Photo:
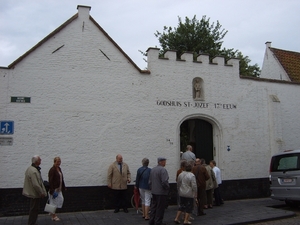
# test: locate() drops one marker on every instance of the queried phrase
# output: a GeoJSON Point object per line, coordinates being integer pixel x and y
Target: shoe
{"type": "Point", "coordinates": [116, 210]}
{"type": "Point", "coordinates": [187, 223]}
{"type": "Point", "coordinates": [192, 218]}
{"type": "Point", "coordinates": [201, 214]}
{"type": "Point", "coordinates": [147, 218]}
{"type": "Point", "coordinates": [125, 210]}
{"type": "Point", "coordinates": [55, 219]}
{"type": "Point", "coordinates": [177, 221]}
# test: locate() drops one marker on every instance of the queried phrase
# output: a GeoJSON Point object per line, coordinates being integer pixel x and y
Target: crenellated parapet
{"type": "Point", "coordinates": [153, 55]}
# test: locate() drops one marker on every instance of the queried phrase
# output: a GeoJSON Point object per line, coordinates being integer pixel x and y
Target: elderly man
{"type": "Point", "coordinates": [159, 186]}
{"type": "Point", "coordinates": [188, 155]}
{"type": "Point", "coordinates": [202, 176]}
{"type": "Point", "coordinates": [217, 194]}
{"type": "Point", "coordinates": [118, 176]}
{"type": "Point", "coordinates": [34, 188]}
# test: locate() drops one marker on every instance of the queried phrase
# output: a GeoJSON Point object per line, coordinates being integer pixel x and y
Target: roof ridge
{"type": "Point", "coordinates": [284, 50]}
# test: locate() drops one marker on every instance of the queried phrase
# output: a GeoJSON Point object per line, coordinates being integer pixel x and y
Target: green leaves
{"type": "Point", "coordinates": [201, 36]}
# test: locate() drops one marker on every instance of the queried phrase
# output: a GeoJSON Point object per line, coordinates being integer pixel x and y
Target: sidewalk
{"type": "Point", "coordinates": [232, 212]}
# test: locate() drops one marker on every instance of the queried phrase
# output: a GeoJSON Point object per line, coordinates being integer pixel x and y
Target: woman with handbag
{"type": "Point", "coordinates": [142, 179]}
{"type": "Point", "coordinates": [56, 186]}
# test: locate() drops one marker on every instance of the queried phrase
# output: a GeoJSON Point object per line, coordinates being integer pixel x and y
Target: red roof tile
{"type": "Point", "coordinates": [290, 62]}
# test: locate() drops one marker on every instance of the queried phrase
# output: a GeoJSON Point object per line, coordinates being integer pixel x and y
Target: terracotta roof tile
{"type": "Point", "coordinates": [290, 62]}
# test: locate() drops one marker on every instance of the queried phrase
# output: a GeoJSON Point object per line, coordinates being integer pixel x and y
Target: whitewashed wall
{"type": "Point", "coordinates": [87, 109]}
{"type": "Point", "coordinates": [256, 129]}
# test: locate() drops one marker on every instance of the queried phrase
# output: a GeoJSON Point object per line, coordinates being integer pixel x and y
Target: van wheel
{"type": "Point", "coordinates": [293, 204]}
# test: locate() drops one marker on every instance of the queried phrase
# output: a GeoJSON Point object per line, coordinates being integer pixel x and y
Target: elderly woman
{"type": "Point", "coordinates": [142, 182]}
{"type": "Point", "coordinates": [56, 186]}
{"type": "Point", "coordinates": [187, 189]}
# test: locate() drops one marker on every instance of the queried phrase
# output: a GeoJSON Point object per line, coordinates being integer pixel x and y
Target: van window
{"type": "Point", "coordinates": [285, 162]}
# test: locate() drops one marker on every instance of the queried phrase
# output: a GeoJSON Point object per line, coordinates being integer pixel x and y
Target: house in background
{"type": "Point", "coordinates": [281, 64]}
{"type": "Point", "coordinates": [77, 95]}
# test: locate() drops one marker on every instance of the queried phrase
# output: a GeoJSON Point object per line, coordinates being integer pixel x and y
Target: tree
{"type": "Point", "coordinates": [199, 36]}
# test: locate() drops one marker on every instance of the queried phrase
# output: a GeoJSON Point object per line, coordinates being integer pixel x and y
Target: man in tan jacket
{"type": "Point", "coordinates": [118, 176]}
{"type": "Point", "coordinates": [34, 188]}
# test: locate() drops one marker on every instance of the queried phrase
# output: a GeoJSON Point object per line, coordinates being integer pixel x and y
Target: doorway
{"type": "Point", "coordinates": [199, 134]}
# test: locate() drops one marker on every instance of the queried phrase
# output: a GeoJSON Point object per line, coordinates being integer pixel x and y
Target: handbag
{"type": "Point", "coordinates": [50, 208]}
{"type": "Point", "coordinates": [46, 185]}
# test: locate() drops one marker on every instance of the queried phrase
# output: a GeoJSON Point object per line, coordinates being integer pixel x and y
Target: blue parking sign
{"type": "Point", "coordinates": [6, 127]}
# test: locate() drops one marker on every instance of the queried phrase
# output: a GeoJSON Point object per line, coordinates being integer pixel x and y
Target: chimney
{"type": "Point", "coordinates": [268, 44]}
{"type": "Point", "coordinates": [84, 11]}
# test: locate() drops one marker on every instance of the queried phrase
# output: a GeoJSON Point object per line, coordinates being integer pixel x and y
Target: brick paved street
{"type": "Point", "coordinates": [232, 212]}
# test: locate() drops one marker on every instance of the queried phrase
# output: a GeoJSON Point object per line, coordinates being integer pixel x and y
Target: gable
{"type": "Point", "coordinates": [83, 12]}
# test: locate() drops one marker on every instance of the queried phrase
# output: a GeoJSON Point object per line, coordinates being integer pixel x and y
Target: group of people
{"type": "Point", "coordinates": [196, 183]}
{"type": "Point", "coordinates": [34, 187]}
{"type": "Point", "coordinates": [153, 186]}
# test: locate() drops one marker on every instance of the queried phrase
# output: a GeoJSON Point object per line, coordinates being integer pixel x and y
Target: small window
{"type": "Point", "coordinates": [285, 162]}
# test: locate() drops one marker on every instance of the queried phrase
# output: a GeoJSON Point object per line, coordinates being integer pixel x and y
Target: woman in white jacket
{"type": "Point", "coordinates": [187, 190]}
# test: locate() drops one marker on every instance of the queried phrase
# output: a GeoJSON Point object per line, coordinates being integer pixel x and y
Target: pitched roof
{"type": "Point", "coordinates": [118, 47]}
{"type": "Point", "coordinates": [290, 62]}
{"type": "Point", "coordinates": [13, 64]}
{"type": "Point", "coordinates": [57, 30]}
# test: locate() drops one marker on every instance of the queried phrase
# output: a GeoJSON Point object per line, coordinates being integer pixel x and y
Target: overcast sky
{"type": "Point", "coordinates": [132, 23]}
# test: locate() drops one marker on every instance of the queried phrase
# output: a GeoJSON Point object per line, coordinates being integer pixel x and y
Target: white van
{"type": "Point", "coordinates": [285, 177]}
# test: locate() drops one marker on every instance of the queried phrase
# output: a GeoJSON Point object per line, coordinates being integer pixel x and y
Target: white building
{"type": "Point", "coordinates": [77, 95]}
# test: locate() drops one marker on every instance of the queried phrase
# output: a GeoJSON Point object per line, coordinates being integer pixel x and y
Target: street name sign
{"type": "Point", "coordinates": [6, 141]}
{"type": "Point", "coordinates": [20, 99]}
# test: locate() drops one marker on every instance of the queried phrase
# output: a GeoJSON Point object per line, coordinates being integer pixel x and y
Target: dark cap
{"type": "Point", "coordinates": [159, 159]}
